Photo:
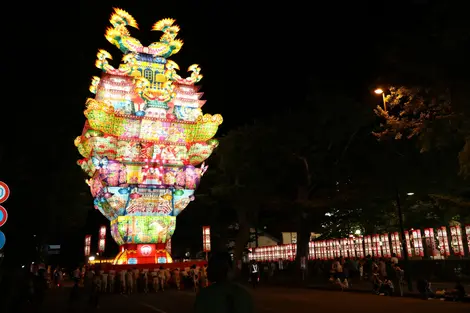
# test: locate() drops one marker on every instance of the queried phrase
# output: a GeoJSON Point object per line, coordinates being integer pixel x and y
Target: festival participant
{"type": "Point", "coordinates": [155, 280]}
{"type": "Point", "coordinates": [161, 278]}
{"type": "Point", "coordinates": [177, 277]}
{"type": "Point", "coordinates": [203, 274]}
{"type": "Point", "coordinates": [130, 281]}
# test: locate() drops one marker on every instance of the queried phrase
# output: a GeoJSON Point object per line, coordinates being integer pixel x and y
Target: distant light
{"type": "Point", "coordinates": [22, 266]}
{"type": "Point", "coordinates": [358, 232]}
{"type": "Point", "coordinates": [378, 91]}
{"type": "Point", "coordinates": [410, 193]}
{"type": "Point", "coordinates": [328, 214]}
{"type": "Point", "coordinates": [32, 263]}
{"type": "Point", "coordinates": [34, 235]}
{"type": "Point", "coordinates": [92, 258]}
{"type": "Point", "coordinates": [97, 253]}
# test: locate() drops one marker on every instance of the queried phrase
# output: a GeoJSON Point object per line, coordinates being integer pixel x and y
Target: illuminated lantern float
{"type": "Point", "coordinates": [145, 140]}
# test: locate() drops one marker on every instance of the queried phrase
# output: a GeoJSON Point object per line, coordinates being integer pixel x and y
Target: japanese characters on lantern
{"type": "Point", "coordinates": [311, 250]}
{"type": "Point", "coordinates": [206, 238]}
{"type": "Point", "coordinates": [385, 245]}
{"type": "Point", "coordinates": [429, 242]}
{"type": "Point", "coordinates": [352, 247]}
{"type": "Point", "coordinates": [456, 240]}
{"type": "Point", "coordinates": [467, 232]}
{"type": "Point", "coordinates": [376, 250]}
{"type": "Point", "coordinates": [87, 245]}
{"type": "Point", "coordinates": [102, 239]}
{"type": "Point", "coordinates": [359, 246]}
{"type": "Point", "coordinates": [368, 245]}
{"type": "Point", "coordinates": [145, 138]}
{"type": "Point", "coordinates": [417, 243]}
{"type": "Point", "coordinates": [443, 241]}
{"type": "Point", "coordinates": [408, 251]}
{"type": "Point", "coordinates": [396, 244]}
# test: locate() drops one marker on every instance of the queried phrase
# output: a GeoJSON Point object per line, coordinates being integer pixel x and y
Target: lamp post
{"type": "Point", "coordinates": [403, 241]}
{"type": "Point", "coordinates": [379, 91]}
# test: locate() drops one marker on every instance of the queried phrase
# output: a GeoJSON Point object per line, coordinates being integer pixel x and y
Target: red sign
{"type": "Point", "coordinates": [206, 238]}
{"type": "Point", "coordinates": [145, 250]}
{"type": "Point", "coordinates": [3, 216]}
{"type": "Point", "coordinates": [4, 192]}
{"type": "Point", "coordinates": [102, 239]}
{"type": "Point", "coordinates": [87, 245]}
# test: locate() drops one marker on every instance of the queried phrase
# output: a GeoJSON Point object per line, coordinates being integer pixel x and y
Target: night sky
{"type": "Point", "coordinates": [256, 60]}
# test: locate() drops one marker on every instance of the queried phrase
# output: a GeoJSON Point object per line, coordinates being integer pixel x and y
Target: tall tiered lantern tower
{"type": "Point", "coordinates": [145, 140]}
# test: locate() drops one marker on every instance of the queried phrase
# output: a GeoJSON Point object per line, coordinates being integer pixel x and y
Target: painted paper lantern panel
{"type": "Point", "coordinates": [191, 177]}
{"type": "Point", "coordinates": [96, 185]}
{"type": "Point", "coordinates": [206, 127]}
{"type": "Point", "coordinates": [181, 200]}
{"type": "Point", "coordinates": [352, 247]}
{"type": "Point", "coordinates": [396, 244]}
{"type": "Point", "coordinates": [128, 151]}
{"type": "Point", "coordinates": [126, 128]}
{"type": "Point", "coordinates": [100, 120]}
{"type": "Point", "coordinates": [429, 243]}
{"type": "Point", "coordinates": [385, 245]}
{"type": "Point", "coordinates": [146, 229]}
{"type": "Point", "coordinates": [456, 240]}
{"type": "Point", "coordinates": [359, 247]}
{"type": "Point", "coordinates": [409, 250]}
{"type": "Point", "coordinates": [417, 242]}
{"type": "Point", "coordinates": [443, 241]}
{"type": "Point", "coordinates": [376, 251]}
{"type": "Point", "coordinates": [368, 245]}
{"type": "Point", "coordinates": [200, 151]}
{"type": "Point", "coordinates": [101, 204]}
{"type": "Point", "coordinates": [311, 250]}
{"type": "Point", "coordinates": [113, 174]}
{"type": "Point", "coordinates": [144, 202]}
{"type": "Point", "coordinates": [467, 232]}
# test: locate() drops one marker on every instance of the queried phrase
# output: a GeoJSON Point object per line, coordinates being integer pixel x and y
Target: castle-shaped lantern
{"type": "Point", "coordinates": [144, 140]}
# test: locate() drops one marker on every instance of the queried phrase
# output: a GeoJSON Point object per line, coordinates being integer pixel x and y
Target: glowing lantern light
{"type": "Point", "coordinates": [144, 138]}
{"type": "Point", "coordinates": [456, 240]}
{"type": "Point", "coordinates": [87, 245]}
{"type": "Point", "coordinates": [102, 239]}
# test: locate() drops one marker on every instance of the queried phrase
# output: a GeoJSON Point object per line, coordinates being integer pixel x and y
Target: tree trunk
{"type": "Point", "coordinates": [242, 237]}
{"type": "Point", "coordinates": [303, 238]}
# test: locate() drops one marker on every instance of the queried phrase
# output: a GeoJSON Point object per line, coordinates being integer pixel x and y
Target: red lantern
{"type": "Point", "coordinates": [456, 240]}
{"type": "Point", "coordinates": [443, 241]}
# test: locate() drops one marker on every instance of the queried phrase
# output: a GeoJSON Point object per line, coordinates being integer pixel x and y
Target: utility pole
{"type": "Point", "coordinates": [404, 244]}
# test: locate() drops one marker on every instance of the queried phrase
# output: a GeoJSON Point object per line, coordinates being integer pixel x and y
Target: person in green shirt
{"type": "Point", "coordinates": [222, 296]}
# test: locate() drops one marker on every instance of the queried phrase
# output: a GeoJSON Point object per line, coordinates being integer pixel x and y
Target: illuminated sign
{"type": "Point", "coordinates": [4, 192]}
{"type": "Point", "coordinates": [206, 238]}
{"type": "Point", "coordinates": [102, 239]}
{"type": "Point", "coordinates": [132, 261]}
{"type": "Point", "coordinates": [87, 245]}
{"type": "Point", "coordinates": [146, 250]}
{"type": "Point", "coordinates": [3, 216]}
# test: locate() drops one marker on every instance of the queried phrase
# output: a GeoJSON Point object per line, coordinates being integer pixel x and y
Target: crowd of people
{"type": "Point", "coordinates": [130, 281]}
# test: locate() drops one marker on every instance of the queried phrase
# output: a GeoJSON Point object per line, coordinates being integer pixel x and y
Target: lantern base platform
{"type": "Point", "coordinates": [134, 254]}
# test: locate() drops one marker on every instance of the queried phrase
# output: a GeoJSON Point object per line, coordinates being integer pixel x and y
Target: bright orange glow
{"type": "Point", "coordinates": [378, 91]}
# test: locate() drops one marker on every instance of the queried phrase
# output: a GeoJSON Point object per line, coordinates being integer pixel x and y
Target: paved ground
{"type": "Point", "coordinates": [267, 299]}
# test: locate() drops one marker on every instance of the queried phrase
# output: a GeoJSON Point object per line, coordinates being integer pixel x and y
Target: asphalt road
{"type": "Point", "coordinates": [267, 299]}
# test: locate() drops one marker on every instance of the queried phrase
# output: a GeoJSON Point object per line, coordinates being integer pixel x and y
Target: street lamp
{"type": "Point", "coordinates": [403, 240]}
{"type": "Point", "coordinates": [379, 91]}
